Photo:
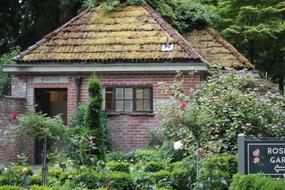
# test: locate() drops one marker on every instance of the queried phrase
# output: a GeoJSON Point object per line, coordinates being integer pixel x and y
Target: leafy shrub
{"type": "Point", "coordinates": [102, 188]}
{"type": "Point", "coordinates": [4, 180]}
{"type": "Point", "coordinates": [79, 116]}
{"type": "Point", "coordinates": [42, 188]}
{"type": "Point", "coordinates": [89, 179]}
{"type": "Point", "coordinates": [144, 180]}
{"type": "Point", "coordinates": [14, 175]}
{"type": "Point", "coordinates": [217, 172]}
{"type": "Point", "coordinates": [119, 181]}
{"type": "Point", "coordinates": [182, 178]}
{"type": "Point", "coordinates": [150, 166]}
{"type": "Point", "coordinates": [36, 180]}
{"type": "Point", "coordinates": [148, 155]}
{"type": "Point", "coordinates": [118, 166]}
{"type": "Point", "coordinates": [54, 172]}
{"type": "Point", "coordinates": [68, 175]}
{"type": "Point", "coordinates": [8, 187]}
{"type": "Point", "coordinates": [232, 102]}
{"type": "Point", "coordinates": [163, 178]}
{"type": "Point", "coordinates": [116, 156]}
{"type": "Point", "coordinates": [256, 182]}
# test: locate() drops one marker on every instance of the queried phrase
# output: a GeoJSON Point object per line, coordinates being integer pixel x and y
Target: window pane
{"type": "Point", "coordinates": [109, 99]}
{"type": "Point", "coordinates": [128, 93]}
{"type": "Point", "coordinates": [139, 94]}
{"type": "Point", "coordinates": [147, 105]}
{"type": "Point", "coordinates": [119, 105]}
{"type": "Point", "coordinates": [146, 93]}
{"type": "Point", "coordinates": [119, 93]}
{"type": "Point", "coordinates": [139, 105]}
{"type": "Point", "coordinates": [128, 105]}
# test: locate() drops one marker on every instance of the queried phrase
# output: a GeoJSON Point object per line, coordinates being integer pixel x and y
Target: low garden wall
{"type": "Point", "coordinates": [11, 143]}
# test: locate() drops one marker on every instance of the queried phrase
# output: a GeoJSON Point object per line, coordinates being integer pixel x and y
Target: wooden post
{"type": "Point", "coordinates": [44, 164]}
{"type": "Point", "coordinates": [241, 164]}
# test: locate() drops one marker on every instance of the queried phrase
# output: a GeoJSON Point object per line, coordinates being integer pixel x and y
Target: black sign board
{"type": "Point", "coordinates": [265, 156]}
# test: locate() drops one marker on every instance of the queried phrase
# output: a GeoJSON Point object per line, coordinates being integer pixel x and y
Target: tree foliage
{"type": "Point", "coordinates": [5, 79]}
{"type": "Point", "coordinates": [257, 28]}
{"type": "Point", "coordinates": [39, 126]}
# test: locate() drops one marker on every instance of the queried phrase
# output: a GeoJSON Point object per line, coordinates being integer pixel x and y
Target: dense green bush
{"type": "Point", "coordinates": [89, 179]}
{"type": "Point", "coordinates": [116, 156]}
{"type": "Point", "coordinates": [150, 166]}
{"type": "Point", "coordinates": [182, 178]}
{"type": "Point", "coordinates": [36, 180]}
{"type": "Point", "coordinates": [217, 172]}
{"type": "Point", "coordinates": [96, 140]}
{"type": "Point", "coordinates": [14, 175]}
{"type": "Point", "coordinates": [232, 102]}
{"type": "Point", "coordinates": [8, 187]}
{"type": "Point", "coordinates": [144, 180]}
{"type": "Point", "coordinates": [149, 155]}
{"type": "Point", "coordinates": [118, 166]}
{"type": "Point", "coordinates": [119, 181]}
{"type": "Point", "coordinates": [163, 178]}
{"type": "Point", "coordinates": [76, 137]}
{"type": "Point", "coordinates": [256, 182]}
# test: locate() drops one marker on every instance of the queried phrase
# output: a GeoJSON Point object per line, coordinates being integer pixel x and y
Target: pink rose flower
{"type": "Point", "coordinates": [256, 152]}
{"type": "Point", "coordinates": [256, 160]}
{"type": "Point", "coordinates": [183, 105]}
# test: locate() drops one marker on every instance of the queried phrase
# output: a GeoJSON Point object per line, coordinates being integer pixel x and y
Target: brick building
{"type": "Point", "coordinates": [131, 50]}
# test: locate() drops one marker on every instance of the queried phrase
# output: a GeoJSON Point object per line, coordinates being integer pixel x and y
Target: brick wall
{"type": "Point", "coordinates": [11, 143]}
{"type": "Point", "coordinates": [127, 132]}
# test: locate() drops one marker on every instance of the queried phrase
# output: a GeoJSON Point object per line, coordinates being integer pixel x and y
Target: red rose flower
{"type": "Point", "coordinates": [183, 105]}
{"type": "Point", "coordinates": [14, 115]}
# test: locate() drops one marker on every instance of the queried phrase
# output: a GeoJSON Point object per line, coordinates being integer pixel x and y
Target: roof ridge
{"type": "Point", "coordinates": [172, 32]}
{"type": "Point", "coordinates": [229, 47]}
{"type": "Point", "coordinates": [50, 35]}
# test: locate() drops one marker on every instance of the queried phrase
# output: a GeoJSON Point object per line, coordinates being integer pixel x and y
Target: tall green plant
{"type": "Point", "coordinates": [94, 121]}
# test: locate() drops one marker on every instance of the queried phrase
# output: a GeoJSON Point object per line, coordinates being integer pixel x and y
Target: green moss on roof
{"type": "Point", "coordinates": [132, 33]}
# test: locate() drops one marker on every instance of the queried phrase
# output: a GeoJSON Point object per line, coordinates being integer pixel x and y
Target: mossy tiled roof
{"type": "Point", "coordinates": [216, 50]}
{"type": "Point", "coordinates": [129, 33]}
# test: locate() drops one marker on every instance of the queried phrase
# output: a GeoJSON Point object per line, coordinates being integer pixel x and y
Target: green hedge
{"type": "Point", "coordinates": [119, 181]}
{"type": "Point", "coordinates": [217, 172]}
{"type": "Point", "coordinates": [256, 182]}
{"type": "Point", "coordinates": [118, 166]}
{"type": "Point", "coordinates": [14, 175]}
{"type": "Point", "coordinates": [8, 187]}
{"type": "Point", "coordinates": [89, 179]}
{"type": "Point", "coordinates": [150, 166]}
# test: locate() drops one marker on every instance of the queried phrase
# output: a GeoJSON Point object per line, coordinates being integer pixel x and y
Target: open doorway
{"type": "Point", "coordinates": [51, 102]}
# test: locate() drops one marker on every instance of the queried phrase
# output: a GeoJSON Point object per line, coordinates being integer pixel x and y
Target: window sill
{"type": "Point", "coordinates": [130, 113]}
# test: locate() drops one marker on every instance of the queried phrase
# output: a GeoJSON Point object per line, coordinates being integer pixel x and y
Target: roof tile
{"type": "Point", "coordinates": [129, 33]}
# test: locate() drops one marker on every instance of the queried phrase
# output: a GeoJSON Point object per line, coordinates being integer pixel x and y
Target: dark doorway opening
{"type": "Point", "coordinates": [51, 102]}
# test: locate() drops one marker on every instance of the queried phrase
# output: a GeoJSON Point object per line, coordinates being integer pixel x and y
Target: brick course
{"type": "Point", "coordinates": [127, 132]}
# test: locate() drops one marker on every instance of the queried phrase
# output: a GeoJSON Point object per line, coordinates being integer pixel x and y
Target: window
{"type": "Point", "coordinates": [128, 99]}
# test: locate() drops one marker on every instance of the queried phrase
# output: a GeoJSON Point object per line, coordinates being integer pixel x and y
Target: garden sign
{"type": "Point", "coordinates": [261, 156]}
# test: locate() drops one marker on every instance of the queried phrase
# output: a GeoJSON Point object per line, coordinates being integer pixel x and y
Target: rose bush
{"type": "Point", "coordinates": [229, 103]}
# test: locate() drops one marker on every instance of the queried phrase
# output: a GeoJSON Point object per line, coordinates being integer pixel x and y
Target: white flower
{"type": "Point", "coordinates": [178, 145]}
